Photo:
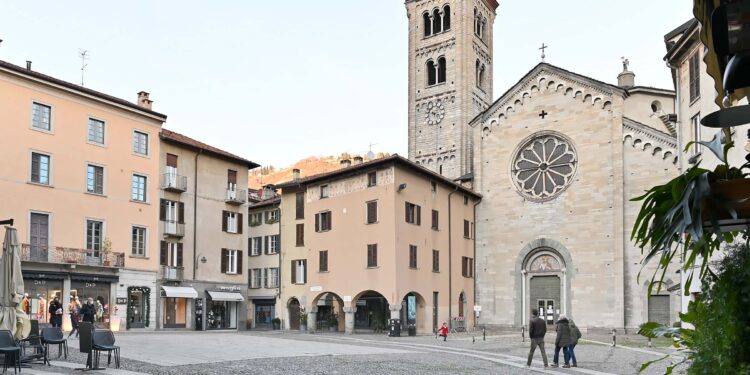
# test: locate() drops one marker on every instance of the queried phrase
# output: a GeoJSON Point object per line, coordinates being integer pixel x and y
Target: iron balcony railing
{"type": "Point", "coordinates": [69, 255]}
{"type": "Point", "coordinates": [170, 273]}
{"type": "Point", "coordinates": [174, 182]}
{"type": "Point", "coordinates": [237, 197]}
{"type": "Point", "coordinates": [172, 228]}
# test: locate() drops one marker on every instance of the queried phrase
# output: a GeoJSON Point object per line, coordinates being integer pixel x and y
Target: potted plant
{"type": "Point", "coordinates": [302, 319]}
{"type": "Point", "coordinates": [276, 323]}
{"type": "Point", "coordinates": [333, 322]}
{"type": "Point", "coordinates": [254, 223]}
{"type": "Point", "coordinates": [106, 251]}
{"type": "Point", "coordinates": [691, 211]}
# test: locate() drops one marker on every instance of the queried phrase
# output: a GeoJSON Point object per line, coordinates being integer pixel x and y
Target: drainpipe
{"type": "Point", "coordinates": [195, 214]}
{"type": "Point", "coordinates": [475, 259]}
{"type": "Point", "coordinates": [450, 257]}
{"type": "Point", "coordinates": [280, 267]}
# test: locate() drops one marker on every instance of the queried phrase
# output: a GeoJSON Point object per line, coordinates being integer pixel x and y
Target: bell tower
{"type": "Point", "coordinates": [450, 79]}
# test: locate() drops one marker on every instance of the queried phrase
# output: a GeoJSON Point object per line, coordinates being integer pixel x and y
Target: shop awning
{"type": "Point", "coordinates": [94, 278]}
{"type": "Point", "coordinates": [178, 292]}
{"type": "Point", "coordinates": [226, 296]}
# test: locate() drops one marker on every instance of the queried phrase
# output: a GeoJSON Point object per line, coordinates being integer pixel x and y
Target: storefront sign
{"type": "Point", "coordinates": [121, 301]}
{"type": "Point", "coordinates": [232, 288]}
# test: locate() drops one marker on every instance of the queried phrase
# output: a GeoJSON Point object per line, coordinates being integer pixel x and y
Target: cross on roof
{"type": "Point", "coordinates": [543, 47]}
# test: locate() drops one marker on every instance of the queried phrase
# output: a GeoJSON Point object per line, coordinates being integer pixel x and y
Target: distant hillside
{"type": "Point", "coordinates": [312, 165]}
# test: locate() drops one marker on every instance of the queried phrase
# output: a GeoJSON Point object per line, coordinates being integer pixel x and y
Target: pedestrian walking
{"type": "Point", "coordinates": [88, 311]}
{"type": "Point", "coordinates": [73, 311]}
{"type": "Point", "coordinates": [537, 330]}
{"type": "Point", "coordinates": [575, 335]}
{"type": "Point", "coordinates": [55, 312]}
{"type": "Point", "coordinates": [443, 331]}
{"type": "Point", "coordinates": [562, 341]}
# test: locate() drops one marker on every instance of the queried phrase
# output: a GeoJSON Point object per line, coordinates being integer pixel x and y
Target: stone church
{"type": "Point", "coordinates": [556, 157]}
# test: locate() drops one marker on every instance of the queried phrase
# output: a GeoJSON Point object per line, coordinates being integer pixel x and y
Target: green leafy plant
{"type": "Point", "coordinates": [302, 316]}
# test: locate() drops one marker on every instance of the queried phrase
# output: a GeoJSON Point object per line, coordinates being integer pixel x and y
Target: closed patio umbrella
{"type": "Point", "coordinates": [12, 317]}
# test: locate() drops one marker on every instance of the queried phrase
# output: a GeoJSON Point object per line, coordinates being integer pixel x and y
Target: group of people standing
{"type": "Point", "coordinates": [566, 340]}
{"type": "Point", "coordinates": [87, 312]}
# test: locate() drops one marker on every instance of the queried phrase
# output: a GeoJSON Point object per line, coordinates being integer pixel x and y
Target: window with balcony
{"type": "Point", "coordinates": [138, 188]}
{"type": "Point", "coordinates": [272, 277]}
{"type": "Point", "coordinates": [231, 261]}
{"type": "Point", "coordinates": [323, 221]}
{"type": "Point", "coordinates": [172, 213]}
{"type": "Point", "coordinates": [299, 271]}
{"type": "Point", "coordinates": [96, 131]}
{"type": "Point", "coordinates": [435, 261]}
{"type": "Point", "coordinates": [170, 254]}
{"type": "Point", "coordinates": [140, 143]}
{"type": "Point", "coordinates": [94, 179]}
{"type": "Point", "coordinates": [256, 246]}
{"type": "Point", "coordinates": [323, 261]}
{"type": "Point", "coordinates": [413, 214]}
{"type": "Point", "coordinates": [300, 235]}
{"type": "Point", "coordinates": [232, 180]}
{"type": "Point", "coordinates": [372, 255]}
{"type": "Point", "coordinates": [231, 222]}
{"type": "Point", "coordinates": [372, 212]}
{"type": "Point", "coordinates": [138, 241]}
{"type": "Point", "coordinates": [40, 168]}
{"type": "Point", "coordinates": [412, 256]}
{"type": "Point", "coordinates": [40, 116]}
{"type": "Point", "coordinates": [94, 237]}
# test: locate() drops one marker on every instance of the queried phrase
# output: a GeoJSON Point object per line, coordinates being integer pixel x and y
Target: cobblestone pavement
{"type": "Point", "coordinates": [291, 352]}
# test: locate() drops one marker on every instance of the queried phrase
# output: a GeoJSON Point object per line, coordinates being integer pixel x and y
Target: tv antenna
{"type": "Point", "coordinates": [84, 54]}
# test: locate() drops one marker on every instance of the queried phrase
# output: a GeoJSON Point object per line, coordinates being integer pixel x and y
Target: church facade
{"type": "Point", "coordinates": [557, 159]}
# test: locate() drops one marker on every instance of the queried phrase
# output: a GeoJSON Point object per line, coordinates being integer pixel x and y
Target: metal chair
{"type": "Point", "coordinates": [104, 341]}
{"type": "Point", "coordinates": [33, 342]}
{"type": "Point", "coordinates": [52, 336]}
{"type": "Point", "coordinates": [8, 347]}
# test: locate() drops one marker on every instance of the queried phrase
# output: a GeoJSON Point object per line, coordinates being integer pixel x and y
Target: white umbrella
{"type": "Point", "coordinates": [12, 317]}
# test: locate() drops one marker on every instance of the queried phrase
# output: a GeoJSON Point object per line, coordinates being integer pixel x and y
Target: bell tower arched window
{"type": "Point", "coordinates": [436, 21]}
{"type": "Point", "coordinates": [446, 18]}
{"type": "Point", "coordinates": [441, 70]}
{"type": "Point", "coordinates": [431, 73]}
{"type": "Point", "coordinates": [427, 24]}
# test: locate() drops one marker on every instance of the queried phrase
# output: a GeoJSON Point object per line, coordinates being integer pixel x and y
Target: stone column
{"type": "Point", "coordinates": [349, 319]}
{"type": "Point", "coordinates": [395, 311]}
{"type": "Point", "coordinates": [312, 318]}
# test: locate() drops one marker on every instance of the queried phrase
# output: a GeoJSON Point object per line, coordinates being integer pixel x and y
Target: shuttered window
{"type": "Point", "coordinates": [231, 222]}
{"type": "Point", "coordinates": [300, 205]}
{"type": "Point", "coordinates": [466, 229]}
{"type": "Point", "coordinates": [372, 212]}
{"type": "Point", "coordinates": [171, 160]}
{"type": "Point", "coordinates": [372, 255]}
{"type": "Point", "coordinates": [323, 221]}
{"type": "Point", "coordinates": [300, 234]}
{"type": "Point", "coordinates": [95, 179]}
{"type": "Point", "coordinates": [413, 213]}
{"type": "Point", "coordinates": [435, 261]}
{"type": "Point", "coordinates": [40, 167]}
{"type": "Point", "coordinates": [323, 264]}
{"type": "Point", "coordinates": [231, 261]}
{"type": "Point", "coordinates": [299, 271]}
{"type": "Point", "coordinates": [467, 267]}
{"type": "Point", "coordinates": [435, 220]}
{"type": "Point", "coordinates": [231, 176]}
{"type": "Point", "coordinates": [412, 256]}
{"type": "Point", "coordinates": [694, 71]}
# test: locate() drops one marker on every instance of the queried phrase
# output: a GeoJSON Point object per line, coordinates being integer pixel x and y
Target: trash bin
{"type": "Point", "coordinates": [395, 328]}
{"type": "Point", "coordinates": [412, 329]}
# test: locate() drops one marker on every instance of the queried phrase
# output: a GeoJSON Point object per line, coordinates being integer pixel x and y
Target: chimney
{"type": "Point", "coordinates": [626, 78]}
{"type": "Point", "coordinates": [295, 174]}
{"type": "Point", "coordinates": [345, 163]}
{"type": "Point", "coordinates": [28, 64]}
{"type": "Point", "coordinates": [143, 100]}
{"type": "Point", "coordinates": [357, 160]}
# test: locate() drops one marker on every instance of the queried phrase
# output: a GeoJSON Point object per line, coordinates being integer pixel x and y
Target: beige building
{"type": "Point", "coordinates": [382, 239]}
{"type": "Point", "coordinates": [264, 251]}
{"type": "Point", "coordinates": [201, 213]}
{"type": "Point", "coordinates": [81, 180]}
{"type": "Point", "coordinates": [450, 79]}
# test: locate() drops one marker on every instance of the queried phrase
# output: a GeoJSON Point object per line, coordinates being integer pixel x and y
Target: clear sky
{"type": "Point", "coordinates": [277, 81]}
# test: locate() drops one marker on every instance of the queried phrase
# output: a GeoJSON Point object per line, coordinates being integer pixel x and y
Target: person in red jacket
{"type": "Point", "coordinates": [443, 331]}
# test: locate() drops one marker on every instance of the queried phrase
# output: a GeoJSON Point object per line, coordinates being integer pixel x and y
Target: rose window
{"type": "Point", "coordinates": [544, 167]}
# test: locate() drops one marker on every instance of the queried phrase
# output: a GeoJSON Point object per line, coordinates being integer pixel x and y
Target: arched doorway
{"type": "Point", "coordinates": [544, 282]}
{"type": "Point", "coordinates": [330, 312]}
{"type": "Point", "coordinates": [413, 313]}
{"type": "Point", "coordinates": [371, 312]}
{"type": "Point", "coordinates": [293, 307]}
{"type": "Point", "coordinates": [461, 304]}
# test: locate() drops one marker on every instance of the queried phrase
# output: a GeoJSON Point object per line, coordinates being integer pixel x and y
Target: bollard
{"type": "Point", "coordinates": [523, 333]}
{"type": "Point", "coordinates": [484, 334]}
{"type": "Point", "coordinates": [614, 337]}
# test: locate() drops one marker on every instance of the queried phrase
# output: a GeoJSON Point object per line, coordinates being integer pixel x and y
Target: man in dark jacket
{"type": "Point", "coordinates": [537, 330]}
{"type": "Point", "coordinates": [562, 341]}
{"type": "Point", "coordinates": [88, 311]}
{"type": "Point", "coordinates": [55, 312]}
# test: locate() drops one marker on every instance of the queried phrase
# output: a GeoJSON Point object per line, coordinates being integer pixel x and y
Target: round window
{"type": "Point", "coordinates": [544, 167]}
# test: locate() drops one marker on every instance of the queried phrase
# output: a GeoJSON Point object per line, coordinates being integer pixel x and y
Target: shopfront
{"type": "Point", "coordinates": [41, 287]}
{"type": "Point", "coordinates": [138, 307]}
{"type": "Point", "coordinates": [99, 288]}
{"type": "Point", "coordinates": [222, 308]}
{"type": "Point", "coordinates": [176, 302]}
{"type": "Point", "coordinates": [264, 312]}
